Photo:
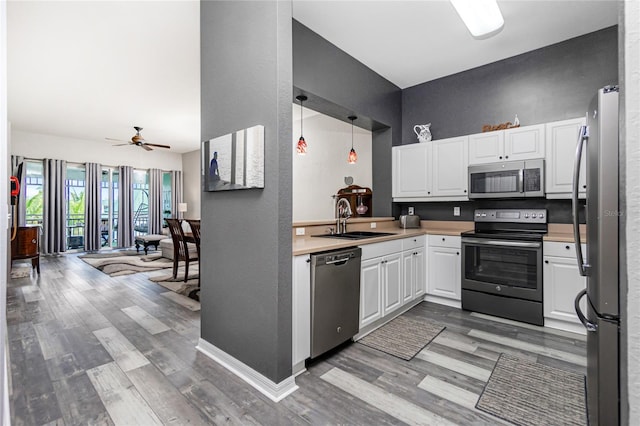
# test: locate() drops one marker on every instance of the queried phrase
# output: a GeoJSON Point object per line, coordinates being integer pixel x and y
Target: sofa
{"type": "Point", "coordinates": [166, 247]}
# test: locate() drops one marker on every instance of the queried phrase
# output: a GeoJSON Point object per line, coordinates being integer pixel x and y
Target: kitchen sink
{"type": "Point", "coordinates": [355, 235]}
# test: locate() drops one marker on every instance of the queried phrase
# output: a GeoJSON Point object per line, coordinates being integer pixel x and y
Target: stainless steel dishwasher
{"type": "Point", "coordinates": [335, 298]}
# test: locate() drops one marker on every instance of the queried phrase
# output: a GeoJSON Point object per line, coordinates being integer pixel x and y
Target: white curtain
{"type": "Point", "coordinates": [55, 206]}
{"type": "Point", "coordinates": [176, 191]}
{"type": "Point", "coordinates": [16, 162]}
{"type": "Point", "coordinates": [155, 201]}
{"type": "Point", "coordinates": [125, 207]}
{"type": "Point", "coordinates": [92, 206]}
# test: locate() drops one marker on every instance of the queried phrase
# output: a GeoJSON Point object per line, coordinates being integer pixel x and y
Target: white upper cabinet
{"type": "Point", "coordinates": [561, 142]}
{"type": "Point", "coordinates": [524, 143]}
{"type": "Point", "coordinates": [486, 147]}
{"type": "Point", "coordinates": [520, 143]}
{"type": "Point", "coordinates": [431, 171]}
{"type": "Point", "coordinates": [450, 162]}
{"type": "Point", "coordinates": [411, 170]}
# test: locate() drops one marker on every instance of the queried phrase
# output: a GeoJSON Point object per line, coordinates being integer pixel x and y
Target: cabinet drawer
{"type": "Point", "coordinates": [413, 242]}
{"type": "Point", "coordinates": [558, 249]}
{"type": "Point", "coordinates": [369, 251]}
{"type": "Point", "coordinates": [452, 241]}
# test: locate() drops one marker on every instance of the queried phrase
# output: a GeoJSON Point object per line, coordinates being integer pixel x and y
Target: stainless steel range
{"type": "Point", "coordinates": [502, 264]}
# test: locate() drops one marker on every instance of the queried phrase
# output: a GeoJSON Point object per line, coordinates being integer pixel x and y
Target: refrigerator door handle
{"type": "Point", "coordinates": [582, 139]}
{"type": "Point", "coordinates": [587, 324]}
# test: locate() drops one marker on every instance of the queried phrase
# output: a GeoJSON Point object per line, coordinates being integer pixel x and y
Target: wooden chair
{"type": "Point", "coordinates": [180, 249]}
{"type": "Point", "coordinates": [195, 230]}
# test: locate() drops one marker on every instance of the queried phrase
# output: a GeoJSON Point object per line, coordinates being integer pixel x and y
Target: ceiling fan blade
{"type": "Point", "coordinates": [157, 145]}
{"type": "Point", "coordinates": [122, 144]}
{"type": "Point", "coordinates": [117, 140]}
{"type": "Point", "coordinates": [144, 145]}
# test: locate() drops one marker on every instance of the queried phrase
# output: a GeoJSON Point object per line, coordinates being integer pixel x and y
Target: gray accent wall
{"type": "Point", "coordinates": [338, 85]}
{"type": "Point", "coordinates": [246, 247]}
{"type": "Point", "coordinates": [553, 83]}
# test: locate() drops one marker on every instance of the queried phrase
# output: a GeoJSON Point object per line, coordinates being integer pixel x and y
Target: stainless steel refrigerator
{"type": "Point", "coordinates": [599, 140]}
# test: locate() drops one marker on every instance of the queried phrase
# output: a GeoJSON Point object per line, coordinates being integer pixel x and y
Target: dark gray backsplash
{"type": "Point", "coordinates": [549, 84]}
{"type": "Point", "coordinates": [559, 211]}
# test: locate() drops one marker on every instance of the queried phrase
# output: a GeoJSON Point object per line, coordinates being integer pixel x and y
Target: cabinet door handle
{"type": "Point", "coordinates": [567, 247]}
{"type": "Point", "coordinates": [33, 241]}
{"type": "Point", "coordinates": [500, 157]}
{"type": "Point", "coordinates": [546, 261]}
{"type": "Point", "coordinates": [465, 191]}
{"type": "Point", "coordinates": [308, 260]}
{"type": "Point", "coordinates": [506, 156]}
{"type": "Point", "coordinates": [428, 192]}
{"type": "Point", "coordinates": [443, 239]}
{"type": "Point", "coordinates": [458, 253]}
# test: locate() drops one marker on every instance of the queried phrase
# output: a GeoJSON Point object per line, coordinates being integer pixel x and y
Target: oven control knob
{"type": "Point", "coordinates": [477, 214]}
{"type": "Point", "coordinates": [541, 215]}
{"type": "Point", "coordinates": [526, 215]}
{"type": "Point", "coordinates": [533, 215]}
{"type": "Point", "coordinates": [498, 288]}
{"type": "Point", "coordinates": [484, 215]}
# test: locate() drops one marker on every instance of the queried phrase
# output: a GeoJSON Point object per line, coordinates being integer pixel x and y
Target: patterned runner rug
{"type": "Point", "coordinates": [528, 393]}
{"type": "Point", "coordinates": [402, 337]}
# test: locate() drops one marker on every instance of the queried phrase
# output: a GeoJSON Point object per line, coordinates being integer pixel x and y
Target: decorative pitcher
{"type": "Point", "coordinates": [423, 132]}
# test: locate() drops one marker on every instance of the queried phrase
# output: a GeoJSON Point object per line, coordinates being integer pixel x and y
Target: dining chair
{"type": "Point", "coordinates": [194, 224]}
{"type": "Point", "coordinates": [180, 248]}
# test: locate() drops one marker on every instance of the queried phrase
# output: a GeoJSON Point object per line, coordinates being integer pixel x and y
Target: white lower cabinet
{"type": "Point", "coordinates": [444, 267]}
{"type": "Point", "coordinates": [391, 273]}
{"type": "Point", "coordinates": [301, 309]}
{"type": "Point", "coordinates": [414, 280]}
{"type": "Point", "coordinates": [562, 282]}
{"type": "Point", "coordinates": [392, 276]}
{"type": "Point", "coordinates": [370, 291]}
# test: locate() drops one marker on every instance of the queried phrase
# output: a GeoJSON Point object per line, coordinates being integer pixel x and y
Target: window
{"type": "Point", "coordinates": [166, 196]}
{"type": "Point", "coordinates": [140, 201]}
{"type": "Point", "coordinates": [34, 197]}
{"type": "Point", "coordinates": [75, 191]}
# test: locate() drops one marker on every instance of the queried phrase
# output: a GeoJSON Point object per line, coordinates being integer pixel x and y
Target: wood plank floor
{"type": "Point", "coordinates": [86, 348]}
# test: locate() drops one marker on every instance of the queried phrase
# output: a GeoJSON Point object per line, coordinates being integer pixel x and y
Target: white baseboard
{"type": "Point", "coordinates": [443, 301]}
{"type": "Point", "coordinates": [274, 391]}
{"type": "Point", "coordinates": [577, 328]}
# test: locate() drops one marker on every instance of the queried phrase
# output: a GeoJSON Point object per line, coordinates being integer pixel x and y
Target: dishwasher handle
{"type": "Point", "coordinates": [339, 261]}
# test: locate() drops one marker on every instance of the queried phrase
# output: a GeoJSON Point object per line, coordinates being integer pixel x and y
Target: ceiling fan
{"type": "Point", "coordinates": [138, 140]}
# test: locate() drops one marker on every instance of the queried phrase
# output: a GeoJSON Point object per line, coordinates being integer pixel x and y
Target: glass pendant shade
{"type": "Point", "coordinates": [301, 147]}
{"type": "Point", "coordinates": [353, 157]}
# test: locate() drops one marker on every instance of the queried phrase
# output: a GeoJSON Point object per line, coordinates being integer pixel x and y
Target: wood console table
{"type": "Point", "coordinates": [26, 245]}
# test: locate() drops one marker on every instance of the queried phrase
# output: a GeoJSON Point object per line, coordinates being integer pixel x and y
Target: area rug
{"type": "Point", "coordinates": [527, 393]}
{"type": "Point", "coordinates": [126, 262]}
{"type": "Point", "coordinates": [20, 271]}
{"type": "Point", "coordinates": [402, 337]}
{"type": "Point", "coordinates": [177, 285]}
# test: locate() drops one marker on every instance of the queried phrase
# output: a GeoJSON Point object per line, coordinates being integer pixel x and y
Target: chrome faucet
{"type": "Point", "coordinates": [343, 212]}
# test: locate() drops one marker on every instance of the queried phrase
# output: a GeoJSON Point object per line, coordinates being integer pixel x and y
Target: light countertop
{"type": "Point", "coordinates": [306, 244]}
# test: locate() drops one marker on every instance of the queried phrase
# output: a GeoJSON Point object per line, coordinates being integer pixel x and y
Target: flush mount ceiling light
{"type": "Point", "coordinates": [301, 148]}
{"type": "Point", "coordinates": [353, 157]}
{"type": "Point", "coordinates": [482, 17]}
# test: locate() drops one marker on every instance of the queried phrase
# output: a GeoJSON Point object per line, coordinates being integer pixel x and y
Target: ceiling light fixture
{"type": "Point", "coordinates": [353, 157]}
{"type": "Point", "coordinates": [482, 17]}
{"type": "Point", "coordinates": [301, 148]}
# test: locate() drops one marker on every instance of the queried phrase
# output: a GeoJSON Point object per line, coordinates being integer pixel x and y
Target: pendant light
{"type": "Point", "coordinates": [353, 157]}
{"type": "Point", "coordinates": [301, 148]}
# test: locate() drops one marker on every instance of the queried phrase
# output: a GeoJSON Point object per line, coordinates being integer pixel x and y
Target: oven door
{"type": "Point", "coordinates": [503, 267]}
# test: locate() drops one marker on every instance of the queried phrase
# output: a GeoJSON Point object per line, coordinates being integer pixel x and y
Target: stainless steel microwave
{"type": "Point", "coordinates": [507, 179]}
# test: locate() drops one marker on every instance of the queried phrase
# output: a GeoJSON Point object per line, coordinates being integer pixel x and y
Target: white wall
{"type": "Point", "coordinates": [4, 171]}
{"type": "Point", "coordinates": [191, 183]}
{"type": "Point", "coordinates": [38, 146]}
{"type": "Point", "coordinates": [320, 173]}
{"type": "Point", "coordinates": [632, 138]}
